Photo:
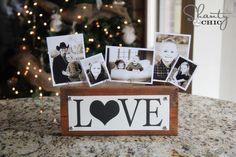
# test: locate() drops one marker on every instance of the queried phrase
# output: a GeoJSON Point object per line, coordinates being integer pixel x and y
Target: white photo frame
{"type": "Point", "coordinates": [65, 52]}
{"type": "Point", "coordinates": [95, 70]}
{"type": "Point", "coordinates": [168, 46]}
{"type": "Point", "coordinates": [182, 73]}
{"type": "Point", "coordinates": [137, 64]}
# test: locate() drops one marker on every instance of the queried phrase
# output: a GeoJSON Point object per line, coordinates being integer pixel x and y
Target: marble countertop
{"type": "Point", "coordinates": [31, 127]}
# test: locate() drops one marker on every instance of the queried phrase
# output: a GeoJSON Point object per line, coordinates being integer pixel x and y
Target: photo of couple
{"type": "Point", "coordinates": [65, 54]}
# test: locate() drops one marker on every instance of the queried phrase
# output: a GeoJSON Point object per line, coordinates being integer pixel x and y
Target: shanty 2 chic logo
{"type": "Point", "coordinates": [201, 18]}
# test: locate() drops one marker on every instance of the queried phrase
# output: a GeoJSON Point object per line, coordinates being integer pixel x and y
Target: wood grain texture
{"type": "Point", "coordinates": [120, 90]}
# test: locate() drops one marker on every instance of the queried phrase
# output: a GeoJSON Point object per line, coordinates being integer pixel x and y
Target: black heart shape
{"type": "Point", "coordinates": [106, 112]}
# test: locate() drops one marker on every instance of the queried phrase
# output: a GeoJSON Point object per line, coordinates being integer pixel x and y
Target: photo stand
{"type": "Point", "coordinates": [119, 110]}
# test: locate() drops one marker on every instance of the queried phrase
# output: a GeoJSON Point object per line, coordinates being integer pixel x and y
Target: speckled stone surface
{"type": "Point", "coordinates": [207, 127]}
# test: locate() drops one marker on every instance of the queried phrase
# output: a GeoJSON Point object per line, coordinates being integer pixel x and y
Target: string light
{"type": "Point", "coordinates": [139, 21]}
{"type": "Point", "coordinates": [28, 63]}
{"type": "Point", "coordinates": [35, 3]}
{"type": "Point", "coordinates": [40, 88]}
{"type": "Point", "coordinates": [38, 38]}
{"type": "Point", "coordinates": [125, 22]}
{"type": "Point", "coordinates": [41, 111]}
{"type": "Point", "coordinates": [31, 91]}
{"type": "Point", "coordinates": [27, 68]}
{"type": "Point", "coordinates": [40, 94]}
{"type": "Point", "coordinates": [106, 5]}
{"type": "Point", "coordinates": [91, 40]}
{"type": "Point", "coordinates": [110, 36]}
{"type": "Point", "coordinates": [23, 48]}
{"type": "Point", "coordinates": [30, 12]}
{"type": "Point", "coordinates": [40, 70]}
{"type": "Point", "coordinates": [16, 92]}
{"type": "Point", "coordinates": [120, 45]}
{"type": "Point", "coordinates": [26, 72]}
{"type": "Point", "coordinates": [52, 30]}
{"type": "Point", "coordinates": [29, 21]}
{"type": "Point", "coordinates": [27, 11]}
{"type": "Point", "coordinates": [54, 120]}
{"type": "Point", "coordinates": [79, 17]}
{"type": "Point", "coordinates": [34, 27]}
{"type": "Point", "coordinates": [40, 15]}
{"type": "Point", "coordinates": [23, 39]}
{"type": "Point", "coordinates": [66, 0]}
{"type": "Point", "coordinates": [18, 14]}
{"type": "Point", "coordinates": [45, 24]}
{"type": "Point", "coordinates": [31, 32]}
{"type": "Point", "coordinates": [57, 94]}
{"type": "Point", "coordinates": [87, 49]}
{"type": "Point", "coordinates": [105, 29]}
{"type": "Point", "coordinates": [18, 73]}
{"type": "Point", "coordinates": [49, 79]}
{"type": "Point", "coordinates": [34, 68]}
{"type": "Point", "coordinates": [13, 88]}
{"type": "Point", "coordinates": [98, 46]}
{"type": "Point", "coordinates": [36, 76]}
{"type": "Point", "coordinates": [85, 26]}
{"type": "Point", "coordinates": [61, 10]}
{"type": "Point", "coordinates": [84, 7]}
{"type": "Point", "coordinates": [118, 27]}
{"type": "Point", "coordinates": [25, 7]}
{"type": "Point", "coordinates": [111, 6]}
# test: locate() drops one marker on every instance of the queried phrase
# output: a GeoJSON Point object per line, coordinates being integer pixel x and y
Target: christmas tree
{"type": "Point", "coordinates": [103, 22]}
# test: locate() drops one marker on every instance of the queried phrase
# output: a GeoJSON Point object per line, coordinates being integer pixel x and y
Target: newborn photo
{"type": "Point", "coordinates": [65, 52]}
{"type": "Point", "coordinates": [182, 73]}
{"type": "Point", "coordinates": [130, 65]}
{"type": "Point", "coordinates": [95, 70]}
{"type": "Point", "coordinates": [168, 47]}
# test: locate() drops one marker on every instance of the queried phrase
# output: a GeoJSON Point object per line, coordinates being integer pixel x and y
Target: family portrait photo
{"type": "Point", "coordinates": [130, 65]}
{"type": "Point", "coordinates": [65, 52]}
{"type": "Point", "coordinates": [168, 47]}
{"type": "Point", "coordinates": [95, 70]}
{"type": "Point", "coordinates": [182, 73]}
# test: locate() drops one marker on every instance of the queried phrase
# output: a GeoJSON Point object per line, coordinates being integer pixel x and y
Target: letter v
{"type": "Point", "coordinates": [130, 120]}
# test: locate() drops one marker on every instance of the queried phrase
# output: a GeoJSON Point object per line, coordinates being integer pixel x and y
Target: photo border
{"type": "Point", "coordinates": [104, 66]}
{"type": "Point", "coordinates": [51, 60]}
{"type": "Point", "coordinates": [192, 75]}
{"type": "Point", "coordinates": [175, 34]}
{"type": "Point", "coordinates": [133, 82]}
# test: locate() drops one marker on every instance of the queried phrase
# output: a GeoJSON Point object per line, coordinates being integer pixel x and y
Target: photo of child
{"type": "Point", "coordinates": [134, 64]}
{"type": "Point", "coordinates": [95, 70]}
{"type": "Point", "coordinates": [65, 53]}
{"type": "Point", "coordinates": [130, 65]}
{"type": "Point", "coordinates": [168, 47]}
{"type": "Point", "coordinates": [120, 64]}
{"type": "Point", "coordinates": [182, 72]}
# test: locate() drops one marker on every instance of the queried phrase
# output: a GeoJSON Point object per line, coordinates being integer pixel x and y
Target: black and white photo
{"type": "Point", "coordinates": [182, 73]}
{"type": "Point", "coordinates": [130, 65]}
{"type": "Point", "coordinates": [65, 52]}
{"type": "Point", "coordinates": [168, 47]}
{"type": "Point", "coordinates": [95, 69]}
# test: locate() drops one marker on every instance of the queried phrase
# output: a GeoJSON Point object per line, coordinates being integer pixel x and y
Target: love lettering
{"type": "Point", "coordinates": [112, 108]}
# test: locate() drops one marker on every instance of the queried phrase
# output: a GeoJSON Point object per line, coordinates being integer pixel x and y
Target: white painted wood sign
{"type": "Point", "coordinates": [93, 113]}
{"type": "Point", "coordinates": [137, 110]}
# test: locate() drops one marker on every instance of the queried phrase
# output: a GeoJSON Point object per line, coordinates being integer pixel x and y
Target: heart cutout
{"type": "Point", "coordinates": [106, 112]}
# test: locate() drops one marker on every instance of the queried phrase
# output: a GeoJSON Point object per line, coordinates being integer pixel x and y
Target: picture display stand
{"type": "Point", "coordinates": [119, 110]}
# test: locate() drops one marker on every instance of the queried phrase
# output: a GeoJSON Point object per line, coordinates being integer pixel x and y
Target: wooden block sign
{"type": "Point", "coordinates": [133, 110]}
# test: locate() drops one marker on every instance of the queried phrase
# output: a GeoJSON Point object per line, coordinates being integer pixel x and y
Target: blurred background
{"type": "Point", "coordinates": [25, 24]}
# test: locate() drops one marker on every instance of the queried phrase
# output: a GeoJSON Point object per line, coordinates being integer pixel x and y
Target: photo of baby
{"type": "Point", "coordinates": [65, 52]}
{"type": "Point", "coordinates": [130, 65]}
{"type": "Point", "coordinates": [168, 47]}
{"type": "Point", "coordinates": [95, 70]}
{"type": "Point", "coordinates": [182, 73]}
